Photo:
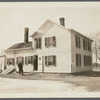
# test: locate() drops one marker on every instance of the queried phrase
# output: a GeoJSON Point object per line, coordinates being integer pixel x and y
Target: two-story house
{"type": "Point", "coordinates": [54, 48]}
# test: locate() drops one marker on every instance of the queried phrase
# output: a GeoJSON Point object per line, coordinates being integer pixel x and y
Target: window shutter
{"type": "Point", "coordinates": [86, 45]}
{"type": "Point", "coordinates": [46, 42]}
{"type": "Point", "coordinates": [54, 41]}
{"type": "Point", "coordinates": [36, 43]}
{"type": "Point", "coordinates": [26, 61]}
{"type": "Point", "coordinates": [80, 60]}
{"type": "Point", "coordinates": [79, 43]}
{"type": "Point", "coordinates": [40, 43]}
{"type": "Point", "coordinates": [76, 40]}
{"type": "Point", "coordinates": [54, 60]}
{"type": "Point", "coordinates": [46, 61]}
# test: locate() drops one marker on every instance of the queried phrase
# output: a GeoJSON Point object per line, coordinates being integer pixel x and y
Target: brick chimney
{"type": "Point", "coordinates": [62, 21]}
{"type": "Point", "coordinates": [26, 34]}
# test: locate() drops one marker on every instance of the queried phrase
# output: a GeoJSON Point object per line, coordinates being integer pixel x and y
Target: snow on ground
{"type": "Point", "coordinates": [40, 87]}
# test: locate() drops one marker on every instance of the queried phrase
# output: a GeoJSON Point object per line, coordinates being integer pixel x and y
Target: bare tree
{"type": "Point", "coordinates": [96, 47]}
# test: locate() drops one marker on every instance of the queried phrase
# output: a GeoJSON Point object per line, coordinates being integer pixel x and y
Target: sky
{"type": "Point", "coordinates": [15, 16]}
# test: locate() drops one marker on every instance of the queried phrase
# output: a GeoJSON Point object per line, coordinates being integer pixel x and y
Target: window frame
{"type": "Point", "coordinates": [50, 41]}
{"type": "Point", "coordinates": [78, 60]}
{"type": "Point", "coordinates": [50, 63]}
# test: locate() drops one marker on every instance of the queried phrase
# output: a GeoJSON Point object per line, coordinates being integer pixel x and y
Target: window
{"type": "Point", "coordinates": [50, 41]}
{"type": "Point", "coordinates": [78, 41]}
{"type": "Point", "coordinates": [87, 60]}
{"type": "Point", "coordinates": [10, 61]}
{"type": "Point", "coordinates": [50, 60]}
{"type": "Point", "coordinates": [29, 60]}
{"type": "Point", "coordinates": [89, 46]}
{"type": "Point", "coordinates": [20, 59]}
{"type": "Point", "coordinates": [86, 45]}
{"type": "Point", "coordinates": [38, 43]}
{"type": "Point", "coordinates": [78, 60]}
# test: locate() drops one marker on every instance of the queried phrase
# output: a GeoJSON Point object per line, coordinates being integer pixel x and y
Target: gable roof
{"type": "Point", "coordinates": [44, 28]}
{"type": "Point", "coordinates": [22, 45]}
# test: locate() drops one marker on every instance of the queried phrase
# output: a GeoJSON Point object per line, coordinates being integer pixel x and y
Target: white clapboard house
{"type": "Point", "coordinates": [54, 48]}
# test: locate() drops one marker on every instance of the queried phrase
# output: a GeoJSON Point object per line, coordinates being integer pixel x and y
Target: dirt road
{"type": "Point", "coordinates": [37, 87]}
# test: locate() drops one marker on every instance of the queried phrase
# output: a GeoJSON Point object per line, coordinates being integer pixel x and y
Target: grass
{"type": "Point", "coordinates": [91, 80]}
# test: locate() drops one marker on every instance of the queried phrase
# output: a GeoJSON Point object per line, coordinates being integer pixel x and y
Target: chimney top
{"type": "Point", "coordinates": [26, 29]}
{"type": "Point", "coordinates": [62, 21]}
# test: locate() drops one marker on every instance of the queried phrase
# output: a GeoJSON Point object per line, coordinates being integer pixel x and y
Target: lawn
{"type": "Point", "coordinates": [91, 80]}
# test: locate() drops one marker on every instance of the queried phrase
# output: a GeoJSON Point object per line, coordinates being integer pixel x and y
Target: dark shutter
{"type": "Point", "coordinates": [46, 62]}
{"type": "Point", "coordinates": [46, 42]}
{"type": "Point", "coordinates": [79, 42]}
{"type": "Point", "coordinates": [80, 59]}
{"type": "Point", "coordinates": [40, 43]}
{"type": "Point", "coordinates": [26, 61]}
{"type": "Point", "coordinates": [54, 41]}
{"type": "Point", "coordinates": [84, 60]}
{"type": "Point", "coordinates": [36, 43]}
{"type": "Point", "coordinates": [54, 60]}
{"type": "Point", "coordinates": [76, 40]}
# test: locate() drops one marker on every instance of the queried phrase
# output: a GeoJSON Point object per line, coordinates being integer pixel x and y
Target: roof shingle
{"type": "Point", "coordinates": [20, 45]}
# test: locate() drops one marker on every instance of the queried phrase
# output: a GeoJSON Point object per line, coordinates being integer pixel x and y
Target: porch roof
{"type": "Point", "coordinates": [20, 46]}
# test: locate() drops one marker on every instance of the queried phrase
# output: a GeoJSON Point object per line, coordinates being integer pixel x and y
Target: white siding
{"type": "Point", "coordinates": [79, 51]}
{"type": "Point", "coordinates": [62, 51]}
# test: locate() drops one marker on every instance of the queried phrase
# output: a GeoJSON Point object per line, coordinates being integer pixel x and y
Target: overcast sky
{"type": "Point", "coordinates": [83, 17]}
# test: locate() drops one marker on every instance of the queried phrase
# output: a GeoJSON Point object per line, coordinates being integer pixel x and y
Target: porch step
{"type": "Point", "coordinates": [8, 71]}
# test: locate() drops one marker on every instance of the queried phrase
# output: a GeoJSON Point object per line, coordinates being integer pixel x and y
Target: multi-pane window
{"type": "Point", "coordinates": [86, 45]}
{"type": "Point", "coordinates": [78, 41]}
{"type": "Point", "coordinates": [38, 43]}
{"type": "Point", "coordinates": [11, 61]}
{"type": "Point", "coordinates": [50, 60]}
{"type": "Point", "coordinates": [87, 60]}
{"type": "Point", "coordinates": [29, 60]}
{"type": "Point", "coordinates": [50, 41]}
{"type": "Point", "coordinates": [20, 59]}
{"type": "Point", "coordinates": [89, 46]}
{"type": "Point", "coordinates": [78, 60]}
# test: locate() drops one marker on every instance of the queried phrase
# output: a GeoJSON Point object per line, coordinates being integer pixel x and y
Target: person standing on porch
{"type": "Point", "coordinates": [20, 66]}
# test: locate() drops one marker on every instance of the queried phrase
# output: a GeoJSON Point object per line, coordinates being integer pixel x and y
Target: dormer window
{"type": "Point", "coordinates": [50, 41]}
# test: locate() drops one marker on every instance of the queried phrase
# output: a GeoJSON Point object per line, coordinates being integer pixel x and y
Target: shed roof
{"type": "Point", "coordinates": [22, 45]}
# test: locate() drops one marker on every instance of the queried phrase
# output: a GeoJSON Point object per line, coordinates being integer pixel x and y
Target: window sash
{"type": "Point", "coordinates": [38, 43]}
{"type": "Point", "coordinates": [50, 41]}
{"type": "Point", "coordinates": [50, 60]}
{"type": "Point", "coordinates": [11, 61]}
{"type": "Point", "coordinates": [78, 60]}
{"type": "Point", "coordinates": [78, 41]}
{"type": "Point", "coordinates": [29, 60]}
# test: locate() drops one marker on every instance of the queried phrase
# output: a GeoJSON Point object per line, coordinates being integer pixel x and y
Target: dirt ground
{"type": "Point", "coordinates": [89, 80]}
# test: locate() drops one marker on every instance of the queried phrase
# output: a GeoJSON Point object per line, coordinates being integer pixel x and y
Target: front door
{"type": "Point", "coordinates": [35, 62]}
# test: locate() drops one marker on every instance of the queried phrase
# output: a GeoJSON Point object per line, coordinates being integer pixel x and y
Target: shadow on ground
{"type": "Point", "coordinates": [88, 74]}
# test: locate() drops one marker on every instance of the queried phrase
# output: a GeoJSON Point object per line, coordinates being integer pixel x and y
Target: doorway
{"type": "Point", "coordinates": [35, 62]}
